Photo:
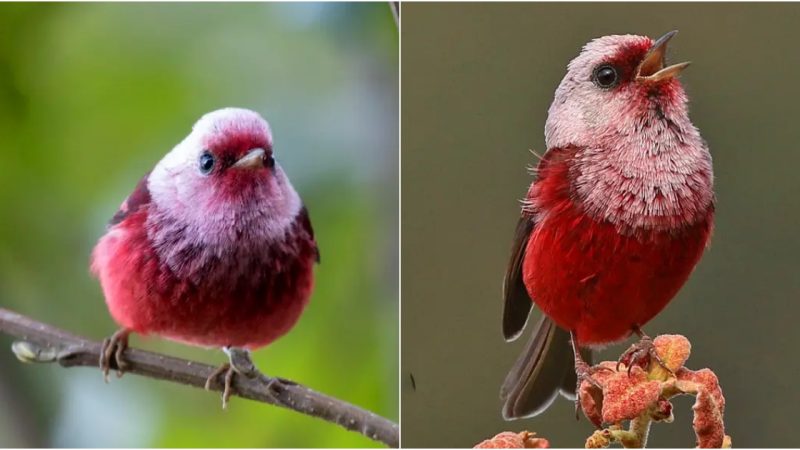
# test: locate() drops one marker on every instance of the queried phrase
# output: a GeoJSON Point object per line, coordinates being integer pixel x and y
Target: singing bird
{"type": "Point", "coordinates": [213, 248]}
{"type": "Point", "coordinates": [619, 215]}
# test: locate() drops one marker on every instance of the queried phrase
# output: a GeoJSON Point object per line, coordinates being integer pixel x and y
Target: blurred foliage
{"type": "Point", "coordinates": [477, 81]}
{"type": "Point", "coordinates": [91, 97]}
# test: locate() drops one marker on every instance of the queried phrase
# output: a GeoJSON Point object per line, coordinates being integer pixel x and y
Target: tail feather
{"type": "Point", "coordinates": [544, 369]}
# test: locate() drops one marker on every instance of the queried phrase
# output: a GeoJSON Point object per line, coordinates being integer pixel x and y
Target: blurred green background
{"type": "Point", "coordinates": [477, 80]}
{"type": "Point", "coordinates": [91, 97]}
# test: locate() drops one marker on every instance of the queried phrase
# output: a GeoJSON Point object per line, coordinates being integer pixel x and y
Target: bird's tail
{"type": "Point", "coordinates": [545, 368]}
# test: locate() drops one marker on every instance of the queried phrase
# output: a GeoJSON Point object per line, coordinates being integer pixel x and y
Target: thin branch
{"type": "Point", "coordinates": [395, 12]}
{"type": "Point", "coordinates": [41, 342]}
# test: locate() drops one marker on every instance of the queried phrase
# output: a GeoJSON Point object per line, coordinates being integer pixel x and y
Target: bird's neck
{"type": "Point", "coordinates": [237, 233]}
{"type": "Point", "coordinates": [658, 180]}
{"type": "Point", "coordinates": [646, 169]}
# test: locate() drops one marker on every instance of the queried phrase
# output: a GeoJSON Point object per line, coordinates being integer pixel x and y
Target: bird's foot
{"type": "Point", "coordinates": [114, 346]}
{"type": "Point", "coordinates": [228, 371]}
{"type": "Point", "coordinates": [584, 372]}
{"type": "Point", "coordinates": [642, 354]}
{"type": "Point", "coordinates": [239, 363]}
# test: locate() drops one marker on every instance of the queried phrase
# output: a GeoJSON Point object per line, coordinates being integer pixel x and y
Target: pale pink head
{"type": "Point", "coordinates": [615, 82]}
{"type": "Point", "coordinates": [642, 163]}
{"type": "Point", "coordinates": [223, 176]}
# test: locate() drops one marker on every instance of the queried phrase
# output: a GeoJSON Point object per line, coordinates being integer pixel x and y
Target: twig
{"type": "Point", "coordinates": [395, 12]}
{"type": "Point", "coordinates": [41, 342]}
{"type": "Point", "coordinates": [636, 435]}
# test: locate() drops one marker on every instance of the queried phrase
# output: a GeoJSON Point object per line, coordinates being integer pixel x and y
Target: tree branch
{"type": "Point", "coordinates": [395, 6]}
{"type": "Point", "coordinates": [41, 342]}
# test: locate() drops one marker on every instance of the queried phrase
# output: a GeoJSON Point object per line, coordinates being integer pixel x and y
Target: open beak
{"type": "Point", "coordinates": [652, 66]}
{"type": "Point", "coordinates": [252, 160]}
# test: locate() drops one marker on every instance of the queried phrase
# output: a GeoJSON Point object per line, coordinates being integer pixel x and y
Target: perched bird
{"type": "Point", "coordinates": [213, 248]}
{"type": "Point", "coordinates": [619, 215]}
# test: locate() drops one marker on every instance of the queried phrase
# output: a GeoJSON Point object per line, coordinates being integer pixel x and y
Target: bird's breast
{"type": "Point", "coordinates": [644, 185]}
{"type": "Point", "coordinates": [224, 250]}
{"type": "Point", "coordinates": [599, 283]}
{"type": "Point", "coordinates": [600, 268]}
{"type": "Point", "coordinates": [158, 278]}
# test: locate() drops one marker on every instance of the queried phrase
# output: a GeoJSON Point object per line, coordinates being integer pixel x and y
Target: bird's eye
{"type": "Point", "coordinates": [269, 161]}
{"type": "Point", "coordinates": [206, 163]}
{"type": "Point", "coordinates": [605, 76]}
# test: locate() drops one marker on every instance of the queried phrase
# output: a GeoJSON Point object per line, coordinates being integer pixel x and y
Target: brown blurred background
{"type": "Point", "coordinates": [477, 80]}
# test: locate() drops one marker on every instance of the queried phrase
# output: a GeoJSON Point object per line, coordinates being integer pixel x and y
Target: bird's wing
{"type": "Point", "coordinates": [518, 303]}
{"type": "Point", "coordinates": [138, 198]}
{"type": "Point", "coordinates": [546, 366]}
{"type": "Point", "coordinates": [305, 222]}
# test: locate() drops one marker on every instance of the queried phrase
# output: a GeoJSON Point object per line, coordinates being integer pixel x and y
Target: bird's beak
{"type": "Point", "coordinates": [252, 160]}
{"type": "Point", "coordinates": [652, 66]}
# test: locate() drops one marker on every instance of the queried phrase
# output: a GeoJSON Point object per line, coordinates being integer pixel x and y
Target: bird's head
{"type": "Point", "coordinates": [615, 87]}
{"type": "Point", "coordinates": [224, 166]}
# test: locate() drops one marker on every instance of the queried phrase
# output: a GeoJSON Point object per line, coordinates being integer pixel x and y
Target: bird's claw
{"type": "Point", "coordinates": [584, 372]}
{"type": "Point", "coordinates": [239, 363]}
{"type": "Point", "coordinates": [229, 372]}
{"type": "Point", "coordinates": [114, 346]}
{"type": "Point", "coordinates": [642, 354]}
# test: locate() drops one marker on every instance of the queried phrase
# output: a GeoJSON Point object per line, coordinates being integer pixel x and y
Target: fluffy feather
{"type": "Point", "coordinates": [217, 259]}
{"type": "Point", "coordinates": [619, 215]}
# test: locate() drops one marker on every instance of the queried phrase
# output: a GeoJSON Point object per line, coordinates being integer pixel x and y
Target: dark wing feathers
{"type": "Point", "coordinates": [138, 198]}
{"type": "Point", "coordinates": [518, 303]}
{"type": "Point", "coordinates": [305, 221]}
{"type": "Point", "coordinates": [546, 365]}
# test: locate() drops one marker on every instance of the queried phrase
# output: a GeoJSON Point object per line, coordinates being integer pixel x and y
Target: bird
{"type": "Point", "coordinates": [214, 248]}
{"type": "Point", "coordinates": [619, 214]}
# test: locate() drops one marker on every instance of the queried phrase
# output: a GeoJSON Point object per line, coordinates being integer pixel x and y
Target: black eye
{"type": "Point", "coordinates": [605, 76]}
{"type": "Point", "coordinates": [269, 161]}
{"type": "Point", "coordinates": [206, 163]}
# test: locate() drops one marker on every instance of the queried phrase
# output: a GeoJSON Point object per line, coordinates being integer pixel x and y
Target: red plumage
{"type": "Point", "coordinates": [619, 215]}
{"type": "Point", "coordinates": [222, 258]}
{"type": "Point", "coordinates": [243, 300]}
{"type": "Point", "coordinates": [590, 278]}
